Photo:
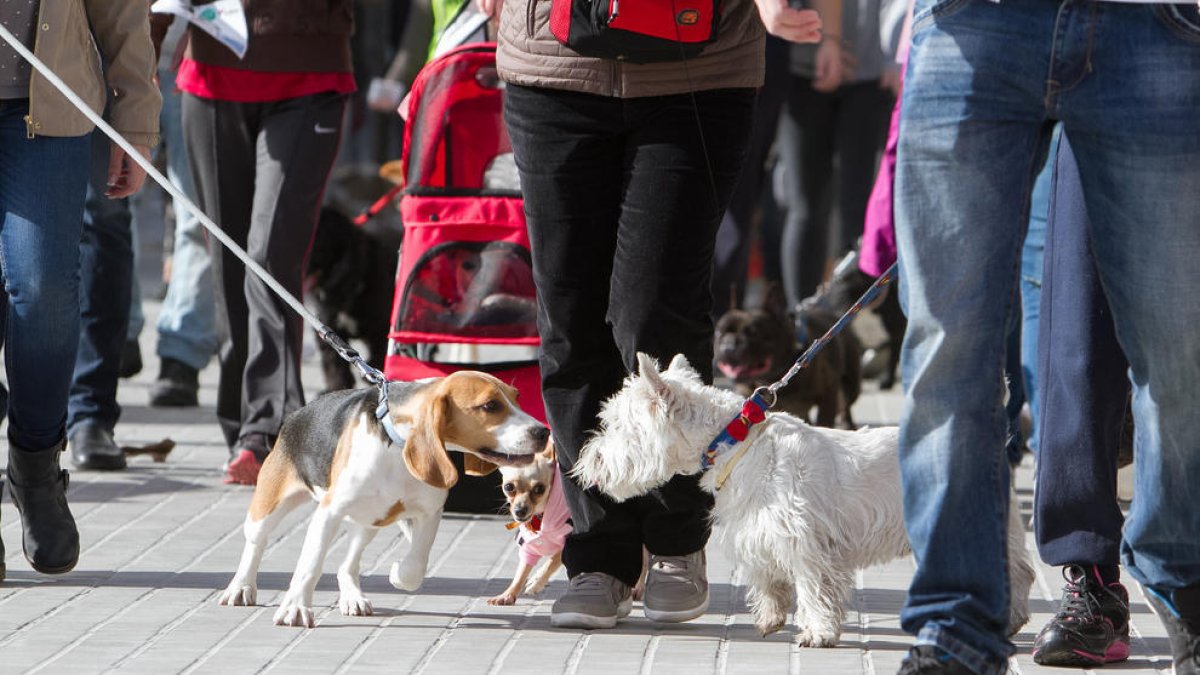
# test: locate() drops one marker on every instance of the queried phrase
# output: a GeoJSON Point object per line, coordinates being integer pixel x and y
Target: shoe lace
{"type": "Point", "coordinates": [671, 565]}
{"type": "Point", "coordinates": [1079, 602]}
{"type": "Point", "coordinates": [590, 583]}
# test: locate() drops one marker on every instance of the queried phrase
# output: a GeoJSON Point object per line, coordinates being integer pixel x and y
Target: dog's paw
{"type": "Point", "coordinates": [355, 604]}
{"type": "Point", "coordinates": [771, 624]}
{"type": "Point", "coordinates": [294, 614]}
{"type": "Point", "coordinates": [506, 598]}
{"type": "Point", "coordinates": [817, 637]}
{"type": "Point", "coordinates": [238, 595]}
{"type": "Point", "coordinates": [406, 577]}
{"type": "Point", "coordinates": [536, 586]}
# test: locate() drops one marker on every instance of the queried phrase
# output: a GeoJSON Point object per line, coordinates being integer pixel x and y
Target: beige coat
{"type": "Point", "coordinates": [70, 37]}
{"type": "Point", "coordinates": [529, 55]}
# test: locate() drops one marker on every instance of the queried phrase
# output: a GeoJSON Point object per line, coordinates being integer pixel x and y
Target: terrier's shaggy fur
{"type": "Point", "coordinates": [802, 509]}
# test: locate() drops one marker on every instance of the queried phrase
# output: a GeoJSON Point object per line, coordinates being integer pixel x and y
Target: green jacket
{"type": "Point", "coordinates": [72, 37]}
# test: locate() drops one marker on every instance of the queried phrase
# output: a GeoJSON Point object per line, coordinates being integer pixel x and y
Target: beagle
{"type": "Point", "coordinates": [339, 451]}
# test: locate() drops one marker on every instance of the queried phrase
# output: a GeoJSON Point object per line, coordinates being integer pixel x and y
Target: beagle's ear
{"type": "Point", "coordinates": [425, 451]}
{"type": "Point", "coordinates": [475, 466]}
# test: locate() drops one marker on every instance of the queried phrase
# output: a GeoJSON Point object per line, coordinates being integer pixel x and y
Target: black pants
{"type": "Point", "coordinates": [260, 171]}
{"type": "Point", "coordinates": [830, 145]}
{"type": "Point", "coordinates": [1084, 389]}
{"type": "Point", "coordinates": [622, 217]}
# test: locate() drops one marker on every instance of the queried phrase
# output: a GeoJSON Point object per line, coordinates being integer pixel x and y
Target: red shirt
{"type": "Point", "coordinates": [251, 86]}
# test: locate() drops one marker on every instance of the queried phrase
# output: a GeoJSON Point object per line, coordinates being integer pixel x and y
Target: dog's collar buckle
{"type": "Point", "coordinates": [385, 419]}
{"type": "Point", "coordinates": [753, 411]}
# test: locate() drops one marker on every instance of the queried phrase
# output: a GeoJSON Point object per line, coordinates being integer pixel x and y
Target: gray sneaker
{"type": "Point", "coordinates": [676, 587]}
{"type": "Point", "coordinates": [593, 600]}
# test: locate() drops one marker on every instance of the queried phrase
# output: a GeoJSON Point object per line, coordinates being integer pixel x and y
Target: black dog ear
{"type": "Point", "coordinates": [774, 301]}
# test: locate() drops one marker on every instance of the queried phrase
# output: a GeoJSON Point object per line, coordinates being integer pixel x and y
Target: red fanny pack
{"type": "Point", "coordinates": [639, 31]}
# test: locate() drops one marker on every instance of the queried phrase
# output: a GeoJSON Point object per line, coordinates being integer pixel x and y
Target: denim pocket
{"type": "Point", "coordinates": [1182, 19]}
{"type": "Point", "coordinates": [932, 11]}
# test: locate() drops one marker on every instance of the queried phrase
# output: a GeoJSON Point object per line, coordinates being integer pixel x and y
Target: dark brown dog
{"type": "Point", "coordinates": [350, 284]}
{"type": "Point", "coordinates": [756, 347]}
{"type": "Point", "coordinates": [841, 292]}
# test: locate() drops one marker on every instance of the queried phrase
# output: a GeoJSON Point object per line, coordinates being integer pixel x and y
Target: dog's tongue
{"type": "Point", "coordinates": [731, 371]}
{"type": "Point", "coordinates": [742, 372]}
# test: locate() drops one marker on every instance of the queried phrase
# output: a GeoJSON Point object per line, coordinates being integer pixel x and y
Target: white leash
{"type": "Point", "coordinates": [326, 333]}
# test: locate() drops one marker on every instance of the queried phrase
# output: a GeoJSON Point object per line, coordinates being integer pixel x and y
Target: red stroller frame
{"type": "Point", "coordinates": [465, 276]}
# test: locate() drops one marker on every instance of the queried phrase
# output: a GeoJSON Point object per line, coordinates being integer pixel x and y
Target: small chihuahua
{"type": "Point", "coordinates": [535, 500]}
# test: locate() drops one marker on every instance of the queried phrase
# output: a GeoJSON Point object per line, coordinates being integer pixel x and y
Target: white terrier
{"type": "Point", "coordinates": [802, 510]}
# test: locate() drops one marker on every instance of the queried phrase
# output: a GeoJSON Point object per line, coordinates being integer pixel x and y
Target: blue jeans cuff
{"type": "Point", "coordinates": [977, 661]}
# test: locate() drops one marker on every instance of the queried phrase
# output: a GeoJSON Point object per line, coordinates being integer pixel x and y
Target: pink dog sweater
{"type": "Point", "coordinates": [546, 535]}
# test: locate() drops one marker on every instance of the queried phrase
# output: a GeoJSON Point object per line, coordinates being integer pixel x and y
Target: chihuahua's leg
{"type": "Point", "coordinates": [296, 608]}
{"type": "Point", "coordinates": [408, 574]}
{"type": "Point", "coordinates": [275, 496]}
{"type": "Point", "coordinates": [351, 600]}
{"type": "Point", "coordinates": [544, 574]}
{"type": "Point", "coordinates": [639, 589]}
{"type": "Point", "coordinates": [509, 596]}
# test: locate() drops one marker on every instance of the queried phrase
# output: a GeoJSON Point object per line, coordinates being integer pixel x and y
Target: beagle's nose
{"type": "Point", "coordinates": [540, 434]}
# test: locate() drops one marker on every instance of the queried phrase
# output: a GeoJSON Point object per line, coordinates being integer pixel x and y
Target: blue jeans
{"type": "Point", "coordinates": [1032, 254]}
{"type": "Point", "coordinates": [976, 122]}
{"type": "Point", "coordinates": [106, 277]}
{"type": "Point", "coordinates": [42, 185]}
{"type": "Point", "coordinates": [187, 323]}
{"type": "Point", "coordinates": [1085, 387]}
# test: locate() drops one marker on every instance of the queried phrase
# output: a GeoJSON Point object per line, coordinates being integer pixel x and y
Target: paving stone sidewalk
{"type": "Point", "coordinates": [160, 540]}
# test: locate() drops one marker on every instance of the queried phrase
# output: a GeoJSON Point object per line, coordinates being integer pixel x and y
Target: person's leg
{"type": "Point", "coordinates": [294, 161]}
{"type": "Point", "coordinates": [571, 167]}
{"type": "Point", "coordinates": [971, 139]}
{"type": "Point", "coordinates": [569, 152]}
{"type": "Point", "coordinates": [1084, 388]}
{"type": "Point", "coordinates": [1031, 289]}
{"type": "Point", "coordinates": [660, 301]}
{"type": "Point", "coordinates": [1141, 183]}
{"type": "Point", "coordinates": [806, 149]}
{"type": "Point", "coordinates": [106, 274]}
{"type": "Point", "coordinates": [187, 331]}
{"type": "Point", "coordinates": [42, 186]}
{"type": "Point", "coordinates": [737, 231]}
{"type": "Point", "coordinates": [220, 138]}
{"type": "Point", "coordinates": [860, 131]}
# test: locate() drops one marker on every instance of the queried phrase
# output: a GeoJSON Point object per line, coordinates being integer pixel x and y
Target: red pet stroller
{"type": "Point", "coordinates": [464, 294]}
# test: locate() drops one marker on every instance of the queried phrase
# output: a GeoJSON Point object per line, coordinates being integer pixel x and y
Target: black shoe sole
{"type": "Point", "coordinates": [63, 569]}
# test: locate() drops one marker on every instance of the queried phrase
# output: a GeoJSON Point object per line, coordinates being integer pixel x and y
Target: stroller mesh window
{"type": "Point", "coordinates": [476, 289]}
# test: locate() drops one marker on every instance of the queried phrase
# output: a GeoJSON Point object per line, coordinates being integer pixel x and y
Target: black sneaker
{"type": "Point", "coordinates": [1091, 626]}
{"type": "Point", "coordinates": [177, 385]}
{"type": "Point", "coordinates": [1184, 633]}
{"type": "Point", "coordinates": [927, 659]}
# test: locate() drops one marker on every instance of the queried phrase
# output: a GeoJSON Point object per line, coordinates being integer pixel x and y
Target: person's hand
{"type": "Point", "coordinates": [125, 176]}
{"type": "Point", "coordinates": [490, 8]}
{"type": "Point", "coordinates": [782, 21]}
{"type": "Point", "coordinates": [890, 80]}
{"type": "Point", "coordinates": [832, 66]}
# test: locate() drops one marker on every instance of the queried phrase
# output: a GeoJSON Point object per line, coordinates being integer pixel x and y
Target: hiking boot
{"type": "Point", "coordinates": [176, 387]}
{"type": "Point", "coordinates": [930, 660]}
{"type": "Point", "coordinates": [593, 600]}
{"type": "Point", "coordinates": [1183, 629]}
{"type": "Point", "coordinates": [38, 487]}
{"type": "Point", "coordinates": [676, 587]}
{"type": "Point", "coordinates": [1091, 626]}
{"type": "Point", "coordinates": [93, 449]}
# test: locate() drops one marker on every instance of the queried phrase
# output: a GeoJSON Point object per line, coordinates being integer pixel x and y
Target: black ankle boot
{"type": "Point", "coordinates": [38, 486]}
